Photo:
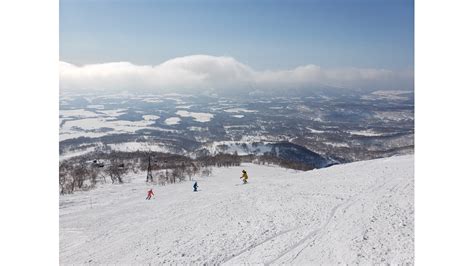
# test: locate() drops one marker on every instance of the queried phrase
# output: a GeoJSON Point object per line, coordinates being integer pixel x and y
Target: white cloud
{"type": "Point", "coordinates": [221, 74]}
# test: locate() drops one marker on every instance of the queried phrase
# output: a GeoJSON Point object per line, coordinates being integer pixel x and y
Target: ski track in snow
{"type": "Point", "coordinates": [358, 213]}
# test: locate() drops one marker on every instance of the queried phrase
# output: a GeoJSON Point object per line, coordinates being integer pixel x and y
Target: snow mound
{"type": "Point", "coordinates": [358, 213]}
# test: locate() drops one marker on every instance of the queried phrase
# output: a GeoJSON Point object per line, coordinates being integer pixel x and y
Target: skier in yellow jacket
{"type": "Point", "coordinates": [244, 176]}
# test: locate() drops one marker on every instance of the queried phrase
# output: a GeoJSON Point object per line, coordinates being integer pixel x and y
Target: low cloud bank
{"type": "Point", "coordinates": [199, 73]}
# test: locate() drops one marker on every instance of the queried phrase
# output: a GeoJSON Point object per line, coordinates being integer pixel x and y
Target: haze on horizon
{"type": "Point", "coordinates": [227, 45]}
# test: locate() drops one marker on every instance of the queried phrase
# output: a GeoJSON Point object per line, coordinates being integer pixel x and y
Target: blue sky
{"type": "Point", "coordinates": [262, 34]}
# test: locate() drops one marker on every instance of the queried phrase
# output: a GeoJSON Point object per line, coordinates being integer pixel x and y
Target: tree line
{"type": "Point", "coordinates": [86, 171]}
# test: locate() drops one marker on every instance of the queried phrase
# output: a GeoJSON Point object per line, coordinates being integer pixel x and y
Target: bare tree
{"type": "Point", "coordinates": [149, 175]}
{"type": "Point", "coordinates": [93, 174]}
{"type": "Point", "coordinates": [174, 174]}
{"type": "Point", "coordinates": [116, 170]}
{"type": "Point", "coordinates": [167, 176]}
{"type": "Point", "coordinates": [64, 171]}
{"type": "Point", "coordinates": [191, 171]}
{"type": "Point", "coordinates": [162, 179]}
{"type": "Point", "coordinates": [79, 175]}
{"type": "Point", "coordinates": [207, 171]}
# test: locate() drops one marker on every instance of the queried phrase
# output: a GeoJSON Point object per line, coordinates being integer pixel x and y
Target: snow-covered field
{"type": "Point", "coordinates": [119, 146]}
{"type": "Point", "coordinates": [151, 117]}
{"type": "Point", "coordinates": [100, 126]}
{"type": "Point", "coordinates": [241, 148]}
{"type": "Point", "coordinates": [394, 116]}
{"type": "Point", "coordinates": [315, 131]}
{"type": "Point", "coordinates": [354, 213]}
{"type": "Point", "coordinates": [337, 144]}
{"type": "Point", "coordinates": [367, 133]}
{"type": "Point", "coordinates": [83, 123]}
{"type": "Point", "coordinates": [388, 95]}
{"type": "Point", "coordinates": [138, 146]}
{"type": "Point", "coordinates": [199, 117]}
{"type": "Point", "coordinates": [239, 110]}
{"type": "Point", "coordinates": [172, 121]}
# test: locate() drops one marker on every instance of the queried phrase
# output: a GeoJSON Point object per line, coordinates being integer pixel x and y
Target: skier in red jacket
{"type": "Point", "coordinates": [150, 193]}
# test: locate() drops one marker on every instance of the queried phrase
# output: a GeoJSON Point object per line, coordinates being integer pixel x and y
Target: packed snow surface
{"type": "Point", "coordinates": [358, 213]}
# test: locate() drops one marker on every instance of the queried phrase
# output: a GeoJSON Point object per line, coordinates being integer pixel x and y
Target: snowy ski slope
{"type": "Point", "coordinates": [354, 213]}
